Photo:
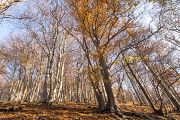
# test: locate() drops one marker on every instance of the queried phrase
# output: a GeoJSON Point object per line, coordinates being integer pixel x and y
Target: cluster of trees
{"type": "Point", "coordinates": [94, 51]}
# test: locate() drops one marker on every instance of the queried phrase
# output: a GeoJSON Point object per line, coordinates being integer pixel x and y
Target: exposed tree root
{"type": "Point", "coordinates": [119, 114]}
{"type": "Point", "coordinates": [136, 114]}
{"type": "Point", "coordinates": [170, 117]}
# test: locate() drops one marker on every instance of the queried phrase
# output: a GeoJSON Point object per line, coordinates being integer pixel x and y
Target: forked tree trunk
{"type": "Point", "coordinates": [110, 106]}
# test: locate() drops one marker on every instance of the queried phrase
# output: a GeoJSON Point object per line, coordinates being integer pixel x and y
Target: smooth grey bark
{"type": "Point", "coordinates": [111, 105]}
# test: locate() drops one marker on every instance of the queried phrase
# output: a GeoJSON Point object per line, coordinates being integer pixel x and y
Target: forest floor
{"type": "Point", "coordinates": [73, 111]}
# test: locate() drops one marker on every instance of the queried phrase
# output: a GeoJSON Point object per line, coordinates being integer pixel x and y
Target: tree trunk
{"type": "Point", "coordinates": [174, 101]}
{"type": "Point", "coordinates": [143, 90]}
{"type": "Point", "coordinates": [110, 106]}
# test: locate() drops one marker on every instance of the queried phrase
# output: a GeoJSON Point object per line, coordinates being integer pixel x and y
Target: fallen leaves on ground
{"type": "Point", "coordinates": [72, 111]}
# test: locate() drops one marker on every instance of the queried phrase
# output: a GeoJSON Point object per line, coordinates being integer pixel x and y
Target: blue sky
{"type": "Point", "coordinates": [5, 29]}
{"type": "Point", "coordinates": [8, 26]}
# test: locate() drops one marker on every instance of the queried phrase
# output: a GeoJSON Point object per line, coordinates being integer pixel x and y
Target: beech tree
{"type": "Point", "coordinates": [106, 28]}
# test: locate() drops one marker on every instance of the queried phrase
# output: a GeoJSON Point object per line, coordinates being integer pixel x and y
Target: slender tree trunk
{"type": "Point", "coordinates": [142, 88]}
{"type": "Point", "coordinates": [174, 101]}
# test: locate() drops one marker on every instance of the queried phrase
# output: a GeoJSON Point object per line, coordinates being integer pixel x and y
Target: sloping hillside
{"type": "Point", "coordinates": [73, 111]}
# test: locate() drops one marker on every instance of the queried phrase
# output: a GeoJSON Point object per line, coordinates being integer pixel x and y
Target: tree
{"type": "Point", "coordinates": [106, 28]}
